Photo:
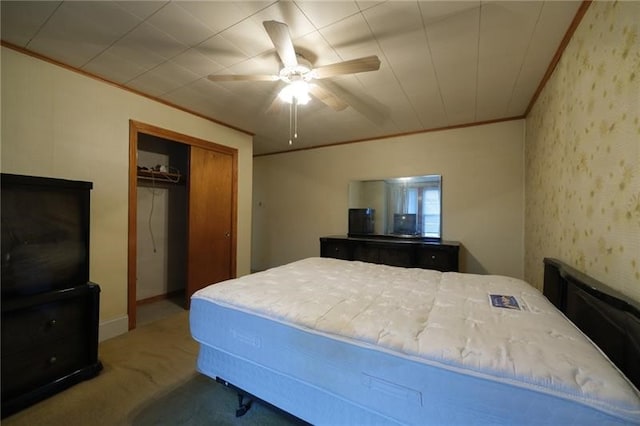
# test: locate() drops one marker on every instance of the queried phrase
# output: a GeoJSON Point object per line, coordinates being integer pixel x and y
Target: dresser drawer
{"type": "Point", "coordinates": [366, 253]}
{"type": "Point", "coordinates": [433, 258]}
{"type": "Point", "coordinates": [49, 342]}
{"type": "Point", "coordinates": [336, 249]}
{"type": "Point", "coordinates": [403, 252]}
{"type": "Point", "coordinates": [384, 254]}
{"type": "Point", "coordinates": [397, 256]}
{"type": "Point", "coordinates": [41, 324]}
{"type": "Point", "coordinates": [27, 369]}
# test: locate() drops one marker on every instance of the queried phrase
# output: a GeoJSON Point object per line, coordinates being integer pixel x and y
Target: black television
{"type": "Point", "coordinates": [45, 234]}
{"type": "Point", "coordinates": [361, 221]}
{"type": "Point", "coordinates": [404, 224]}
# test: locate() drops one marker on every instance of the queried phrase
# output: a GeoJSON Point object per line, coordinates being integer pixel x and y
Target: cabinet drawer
{"type": "Point", "coordinates": [42, 324]}
{"type": "Point", "coordinates": [403, 252]}
{"type": "Point", "coordinates": [385, 254]}
{"type": "Point", "coordinates": [366, 253]}
{"type": "Point", "coordinates": [49, 342]}
{"type": "Point", "coordinates": [440, 260]}
{"type": "Point", "coordinates": [28, 369]}
{"type": "Point", "coordinates": [397, 256]}
{"type": "Point", "coordinates": [336, 250]}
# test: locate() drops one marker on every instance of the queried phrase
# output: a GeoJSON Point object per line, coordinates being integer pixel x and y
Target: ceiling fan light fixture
{"type": "Point", "coordinates": [298, 90]}
{"type": "Point", "coordinates": [298, 72]}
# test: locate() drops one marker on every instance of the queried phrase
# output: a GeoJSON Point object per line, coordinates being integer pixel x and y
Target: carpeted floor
{"type": "Point", "coordinates": [149, 378]}
{"type": "Point", "coordinates": [191, 404]}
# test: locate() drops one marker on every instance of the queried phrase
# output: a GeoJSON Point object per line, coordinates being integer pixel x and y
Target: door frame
{"type": "Point", "coordinates": [135, 129]}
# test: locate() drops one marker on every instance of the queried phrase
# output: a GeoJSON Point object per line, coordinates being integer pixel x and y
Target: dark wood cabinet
{"type": "Point", "coordinates": [50, 310]}
{"type": "Point", "coordinates": [336, 248]}
{"type": "Point", "coordinates": [408, 253]}
{"type": "Point", "coordinates": [49, 342]}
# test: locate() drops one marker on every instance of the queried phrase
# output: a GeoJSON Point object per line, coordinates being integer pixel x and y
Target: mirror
{"type": "Point", "coordinates": [408, 207]}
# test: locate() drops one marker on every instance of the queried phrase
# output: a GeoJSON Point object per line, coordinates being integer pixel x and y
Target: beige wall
{"type": "Point", "coordinates": [59, 123]}
{"type": "Point", "coordinates": [301, 196]}
{"type": "Point", "coordinates": [583, 154]}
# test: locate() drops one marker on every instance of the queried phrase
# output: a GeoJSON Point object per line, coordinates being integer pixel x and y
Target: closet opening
{"type": "Point", "coordinates": [182, 219]}
{"type": "Point", "coordinates": [161, 227]}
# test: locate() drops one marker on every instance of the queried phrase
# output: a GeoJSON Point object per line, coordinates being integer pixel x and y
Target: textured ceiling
{"type": "Point", "coordinates": [442, 63]}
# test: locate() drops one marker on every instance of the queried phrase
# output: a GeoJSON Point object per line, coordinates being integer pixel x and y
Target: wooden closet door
{"type": "Point", "coordinates": [210, 219]}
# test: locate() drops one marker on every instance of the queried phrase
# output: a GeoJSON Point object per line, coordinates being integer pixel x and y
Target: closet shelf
{"type": "Point", "coordinates": [152, 176]}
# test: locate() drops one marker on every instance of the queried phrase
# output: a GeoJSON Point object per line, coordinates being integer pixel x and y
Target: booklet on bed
{"type": "Point", "coordinates": [503, 301]}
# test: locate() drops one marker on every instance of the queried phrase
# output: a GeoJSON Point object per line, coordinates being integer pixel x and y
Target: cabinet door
{"type": "Point", "coordinates": [397, 255]}
{"type": "Point", "coordinates": [437, 258]}
{"type": "Point", "coordinates": [211, 187]}
{"type": "Point", "coordinates": [49, 342]}
{"type": "Point", "coordinates": [366, 253]}
{"type": "Point", "coordinates": [337, 249]}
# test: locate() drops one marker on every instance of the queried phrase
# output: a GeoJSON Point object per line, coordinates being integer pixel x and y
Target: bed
{"type": "Point", "coordinates": [347, 342]}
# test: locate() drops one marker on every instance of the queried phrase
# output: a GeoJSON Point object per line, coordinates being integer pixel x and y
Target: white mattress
{"type": "Point", "coordinates": [411, 346]}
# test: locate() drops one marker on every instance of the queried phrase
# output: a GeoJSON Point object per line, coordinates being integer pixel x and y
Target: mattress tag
{"type": "Point", "coordinates": [507, 302]}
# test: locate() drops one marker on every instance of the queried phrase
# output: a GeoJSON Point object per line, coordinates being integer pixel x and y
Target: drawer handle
{"type": "Point", "coordinates": [52, 323]}
{"type": "Point", "coordinates": [53, 360]}
{"type": "Point", "coordinates": [433, 257]}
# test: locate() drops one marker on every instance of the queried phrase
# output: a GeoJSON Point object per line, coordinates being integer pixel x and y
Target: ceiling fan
{"type": "Point", "coordinates": [298, 74]}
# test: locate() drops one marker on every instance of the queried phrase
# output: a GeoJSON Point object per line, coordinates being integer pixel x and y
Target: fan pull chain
{"type": "Point", "coordinates": [290, 119]}
{"type": "Point", "coordinates": [293, 120]}
{"type": "Point", "coordinates": [295, 117]}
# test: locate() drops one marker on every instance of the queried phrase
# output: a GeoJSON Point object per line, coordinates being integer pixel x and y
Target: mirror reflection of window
{"type": "Point", "coordinates": [414, 206]}
{"type": "Point", "coordinates": [431, 212]}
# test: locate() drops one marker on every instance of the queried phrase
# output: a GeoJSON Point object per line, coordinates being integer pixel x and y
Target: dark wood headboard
{"type": "Point", "coordinates": [610, 319]}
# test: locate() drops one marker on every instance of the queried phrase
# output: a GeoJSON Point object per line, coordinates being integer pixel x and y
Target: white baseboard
{"type": "Point", "coordinates": [113, 328]}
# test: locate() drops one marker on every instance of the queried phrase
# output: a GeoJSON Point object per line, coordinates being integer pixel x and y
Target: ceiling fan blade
{"type": "Point", "coordinates": [279, 34]}
{"type": "Point", "coordinates": [368, 63]}
{"type": "Point", "coordinates": [325, 96]}
{"type": "Point", "coordinates": [365, 105]}
{"type": "Point", "coordinates": [236, 77]}
{"type": "Point", "coordinates": [274, 101]}
{"type": "Point", "coordinates": [275, 107]}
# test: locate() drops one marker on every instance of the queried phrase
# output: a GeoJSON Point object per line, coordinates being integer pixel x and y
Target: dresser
{"type": "Point", "coordinates": [406, 252]}
{"type": "Point", "coordinates": [49, 342]}
{"type": "Point", "coordinates": [50, 309]}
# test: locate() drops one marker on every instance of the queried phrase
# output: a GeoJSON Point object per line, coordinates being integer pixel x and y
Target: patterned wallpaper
{"type": "Point", "coordinates": [582, 154]}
